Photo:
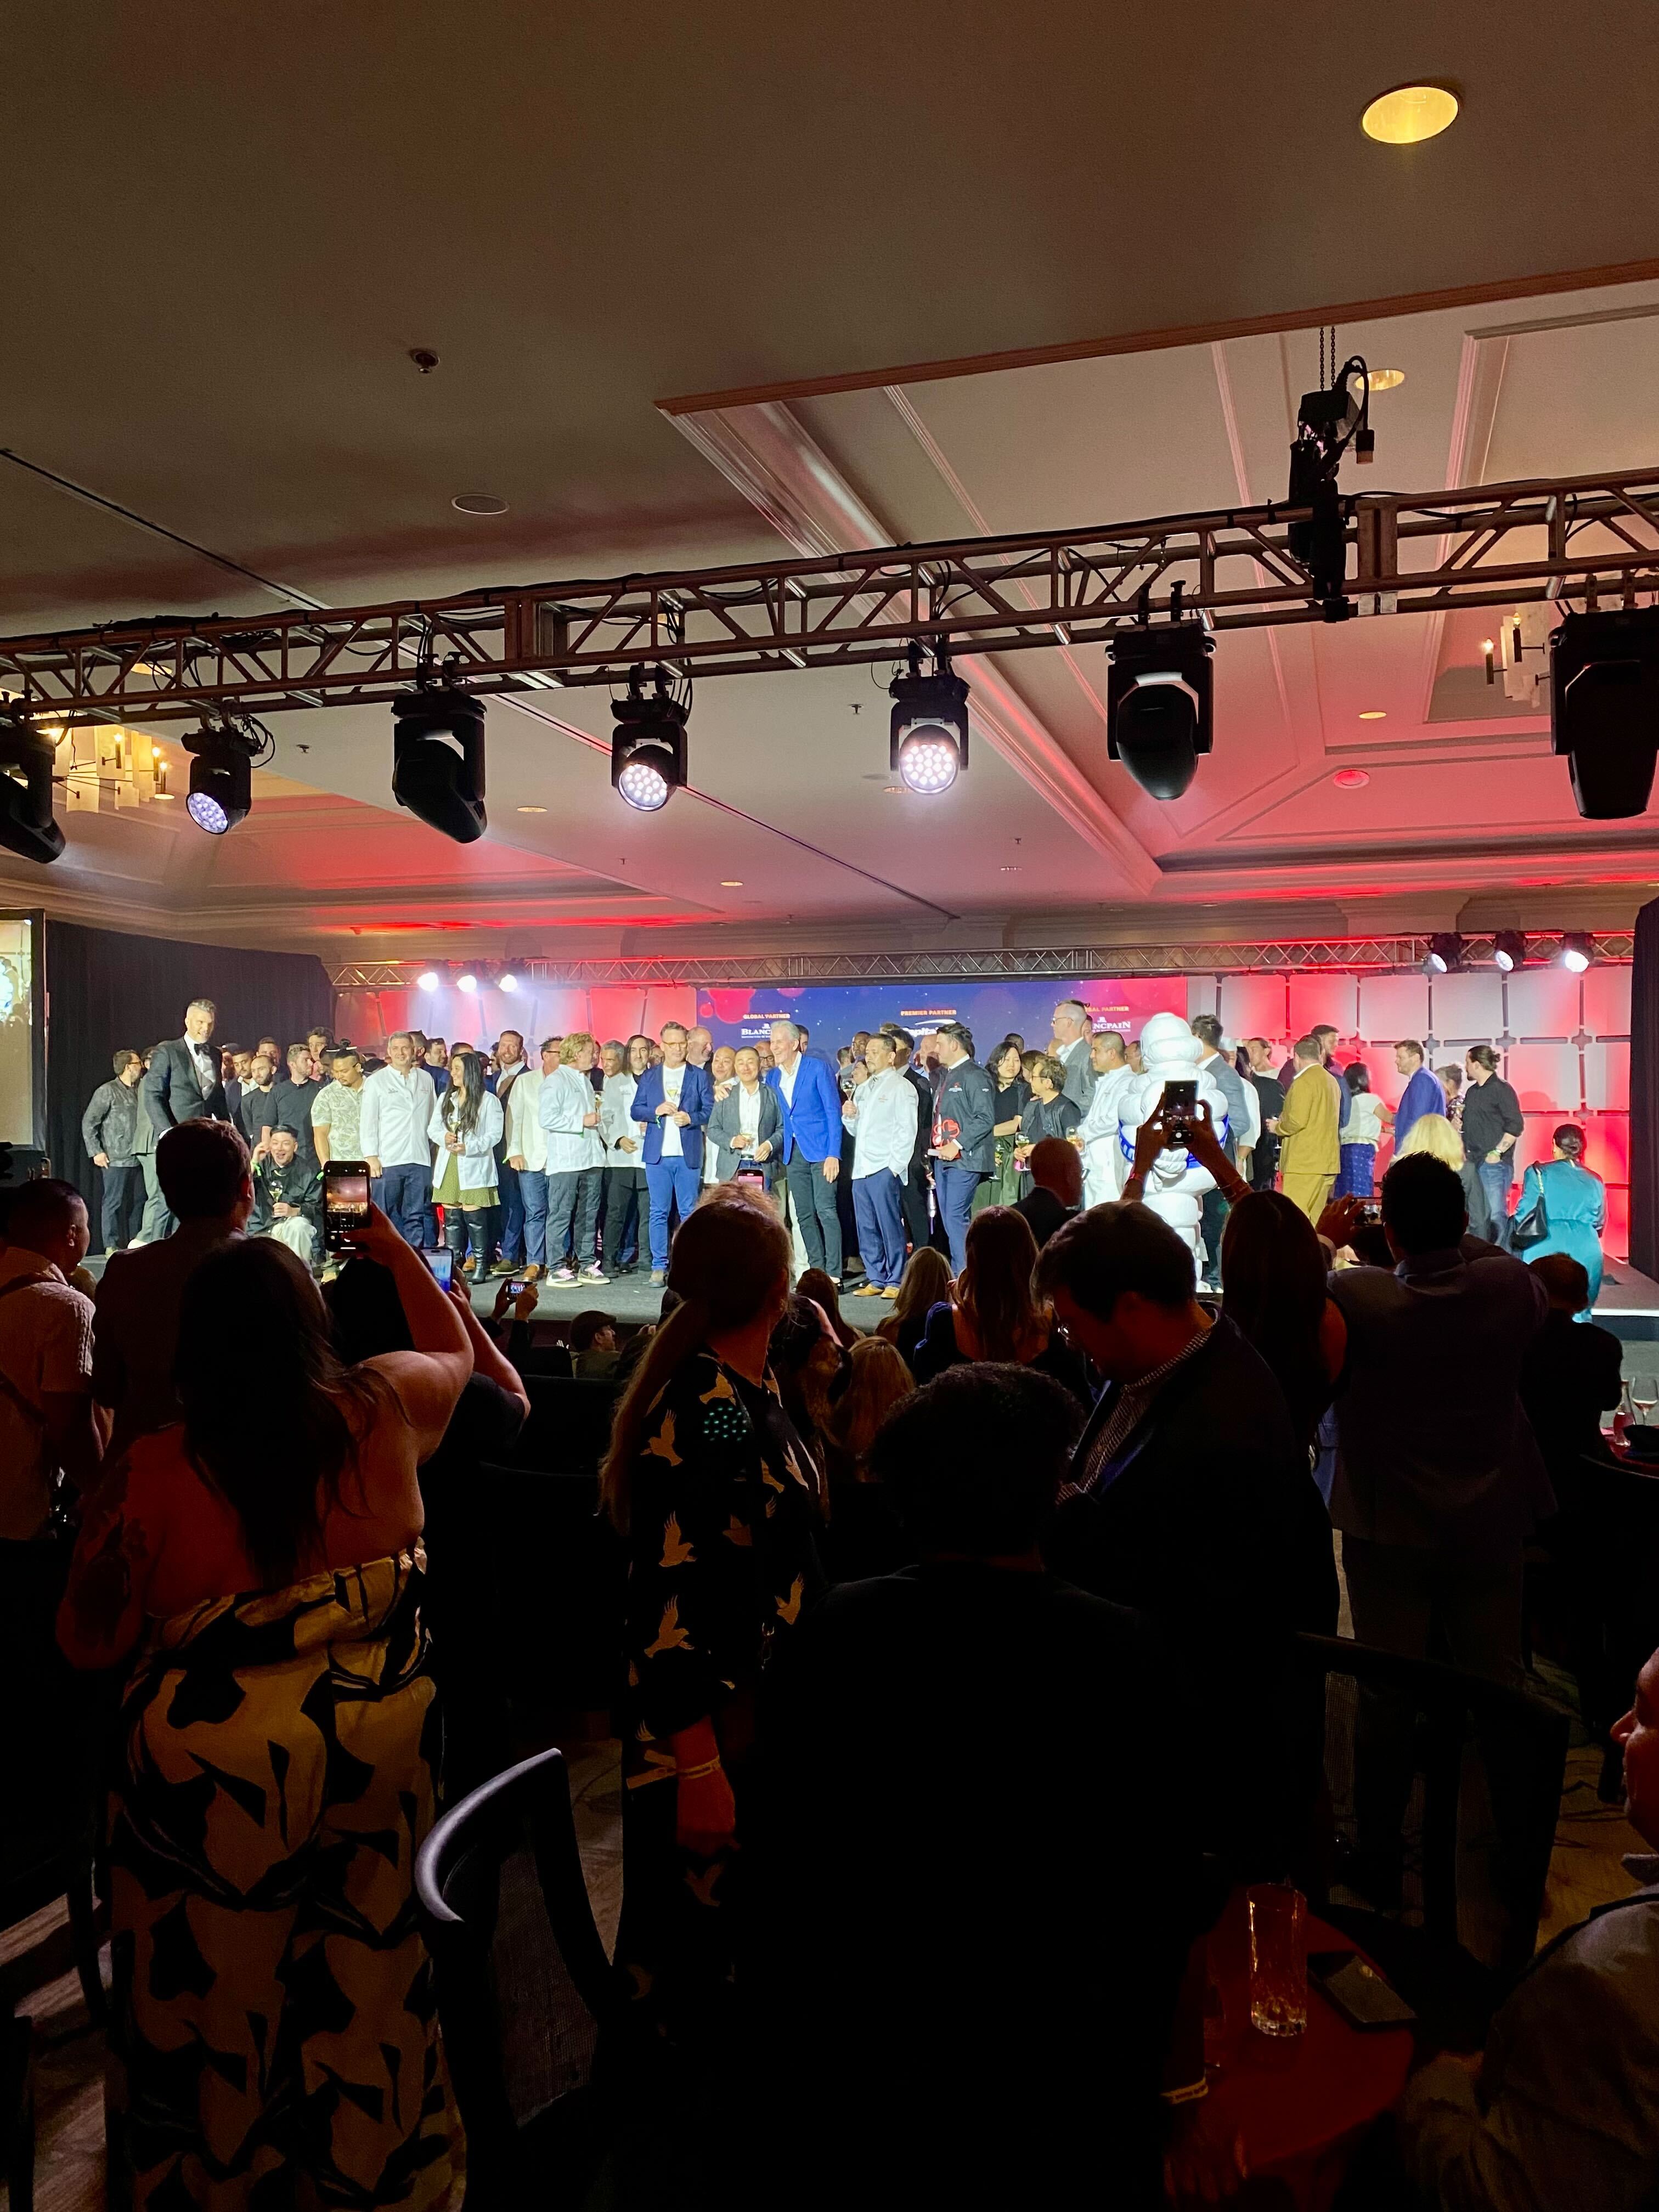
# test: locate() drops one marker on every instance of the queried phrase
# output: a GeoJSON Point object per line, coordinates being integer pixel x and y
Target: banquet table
{"type": "Point", "coordinates": [1301, 2103]}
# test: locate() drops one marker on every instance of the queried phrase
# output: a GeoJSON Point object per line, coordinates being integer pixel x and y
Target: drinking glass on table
{"type": "Point", "coordinates": [1279, 1959]}
{"type": "Point", "coordinates": [1644, 1394]}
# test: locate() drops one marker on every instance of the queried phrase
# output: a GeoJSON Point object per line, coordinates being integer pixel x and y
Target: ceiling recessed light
{"type": "Point", "coordinates": [1351, 779]}
{"type": "Point", "coordinates": [730, 883]}
{"type": "Point", "coordinates": [1373, 714]}
{"type": "Point", "coordinates": [479, 502]}
{"type": "Point", "coordinates": [1409, 114]}
{"type": "Point", "coordinates": [1385, 379]}
{"type": "Point", "coordinates": [532, 810]}
{"type": "Point", "coordinates": [892, 790]}
{"type": "Point", "coordinates": [1008, 868]}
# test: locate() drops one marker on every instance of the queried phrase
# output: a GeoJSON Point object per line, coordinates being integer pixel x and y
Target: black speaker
{"type": "Point", "coordinates": [1604, 707]}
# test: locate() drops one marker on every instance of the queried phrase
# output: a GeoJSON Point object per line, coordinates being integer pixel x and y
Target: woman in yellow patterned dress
{"type": "Point", "coordinates": [716, 1496]}
{"type": "Point", "coordinates": [273, 2005]}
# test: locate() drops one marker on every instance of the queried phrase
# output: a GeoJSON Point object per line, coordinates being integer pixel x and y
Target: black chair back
{"type": "Point", "coordinates": [525, 1989]}
{"type": "Point", "coordinates": [1481, 1778]}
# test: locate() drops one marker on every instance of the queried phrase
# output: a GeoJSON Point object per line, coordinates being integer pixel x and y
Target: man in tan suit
{"type": "Point", "coordinates": [1308, 1154]}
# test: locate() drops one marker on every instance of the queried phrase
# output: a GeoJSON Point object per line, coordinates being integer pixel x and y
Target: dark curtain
{"type": "Point", "coordinates": [105, 989]}
{"type": "Point", "coordinates": [1644, 1094]}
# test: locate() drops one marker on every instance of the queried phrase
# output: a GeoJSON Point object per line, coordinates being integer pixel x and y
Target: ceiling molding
{"type": "Point", "coordinates": [1159, 341]}
{"type": "Point", "coordinates": [774, 461]}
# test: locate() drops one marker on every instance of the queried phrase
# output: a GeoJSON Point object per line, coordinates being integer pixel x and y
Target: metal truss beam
{"type": "Point", "coordinates": [1490, 545]}
{"type": "Point", "coordinates": [1371, 954]}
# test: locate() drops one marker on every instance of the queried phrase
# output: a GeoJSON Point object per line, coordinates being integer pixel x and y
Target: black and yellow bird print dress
{"type": "Point", "coordinates": [722, 1561]}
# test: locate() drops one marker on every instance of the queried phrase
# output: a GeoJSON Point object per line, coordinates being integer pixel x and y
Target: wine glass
{"type": "Point", "coordinates": [1645, 1395]}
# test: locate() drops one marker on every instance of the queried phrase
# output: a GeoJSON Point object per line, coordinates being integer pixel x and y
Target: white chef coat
{"type": "Point", "coordinates": [567, 1096]}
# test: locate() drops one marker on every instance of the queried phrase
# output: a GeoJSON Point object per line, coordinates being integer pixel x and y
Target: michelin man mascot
{"type": "Point", "coordinates": [1176, 1185]}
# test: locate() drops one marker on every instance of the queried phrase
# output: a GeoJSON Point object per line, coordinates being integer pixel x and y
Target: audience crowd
{"type": "Point", "coordinates": [958, 1672]}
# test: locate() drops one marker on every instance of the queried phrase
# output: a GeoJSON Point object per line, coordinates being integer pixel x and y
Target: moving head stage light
{"type": "Point", "coordinates": [1329, 423]}
{"type": "Point", "coordinates": [26, 824]}
{"type": "Point", "coordinates": [1157, 704]}
{"type": "Point", "coordinates": [1604, 707]}
{"type": "Point", "coordinates": [648, 746]}
{"type": "Point", "coordinates": [438, 760]}
{"type": "Point", "coordinates": [929, 736]}
{"type": "Point", "coordinates": [221, 773]}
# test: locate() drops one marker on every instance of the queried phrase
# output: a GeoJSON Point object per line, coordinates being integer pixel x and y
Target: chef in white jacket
{"type": "Point", "coordinates": [575, 1158]}
{"type": "Point", "coordinates": [882, 1115]}
{"type": "Point", "coordinates": [467, 1128]}
{"type": "Point", "coordinates": [1105, 1170]}
{"type": "Point", "coordinates": [527, 1155]}
{"type": "Point", "coordinates": [625, 1198]}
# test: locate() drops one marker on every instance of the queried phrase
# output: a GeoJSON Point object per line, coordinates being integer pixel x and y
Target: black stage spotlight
{"type": "Point", "coordinates": [1577, 951]}
{"type": "Point", "coordinates": [1158, 703]}
{"type": "Point", "coordinates": [438, 760]}
{"type": "Point", "coordinates": [648, 746]}
{"type": "Point", "coordinates": [929, 742]}
{"type": "Point", "coordinates": [26, 824]}
{"type": "Point", "coordinates": [1604, 707]}
{"type": "Point", "coordinates": [1445, 954]}
{"type": "Point", "coordinates": [1509, 950]}
{"type": "Point", "coordinates": [221, 776]}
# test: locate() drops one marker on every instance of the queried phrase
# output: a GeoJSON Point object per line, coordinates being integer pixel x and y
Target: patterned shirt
{"type": "Point", "coordinates": [340, 1112]}
{"type": "Point", "coordinates": [721, 1556]}
{"type": "Point", "coordinates": [1129, 1408]}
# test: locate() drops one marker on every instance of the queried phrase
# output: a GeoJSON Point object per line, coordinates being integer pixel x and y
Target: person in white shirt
{"type": "Point", "coordinates": [527, 1159]}
{"type": "Point", "coordinates": [509, 1062]}
{"type": "Point", "coordinates": [575, 1158]}
{"type": "Point", "coordinates": [747, 1122]}
{"type": "Point", "coordinates": [466, 1127]}
{"type": "Point", "coordinates": [881, 1114]}
{"type": "Point", "coordinates": [1105, 1168]}
{"type": "Point", "coordinates": [393, 1125]}
{"type": "Point", "coordinates": [624, 1173]}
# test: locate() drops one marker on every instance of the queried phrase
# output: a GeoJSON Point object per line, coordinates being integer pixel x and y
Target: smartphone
{"type": "Point", "coordinates": [345, 1202]}
{"type": "Point", "coordinates": [1358, 1991]}
{"type": "Point", "coordinates": [1371, 1213]}
{"type": "Point", "coordinates": [517, 1285]}
{"type": "Point", "coordinates": [442, 1264]}
{"type": "Point", "coordinates": [1176, 1109]}
{"type": "Point", "coordinates": [755, 1177]}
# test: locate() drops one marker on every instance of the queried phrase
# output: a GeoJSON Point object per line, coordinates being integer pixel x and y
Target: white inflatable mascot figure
{"type": "Point", "coordinates": [1175, 1187]}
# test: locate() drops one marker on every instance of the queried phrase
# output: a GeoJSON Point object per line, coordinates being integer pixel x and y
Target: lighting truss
{"type": "Point", "coordinates": [1372, 955]}
{"type": "Point", "coordinates": [1587, 537]}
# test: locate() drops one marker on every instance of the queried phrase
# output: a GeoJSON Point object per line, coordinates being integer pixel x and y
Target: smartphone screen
{"type": "Point", "coordinates": [756, 1176]}
{"type": "Point", "coordinates": [345, 1201]}
{"type": "Point", "coordinates": [1179, 1097]}
{"type": "Point", "coordinates": [517, 1285]}
{"type": "Point", "coordinates": [442, 1264]}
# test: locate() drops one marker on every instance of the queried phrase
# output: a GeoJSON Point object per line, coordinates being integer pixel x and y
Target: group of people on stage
{"type": "Point", "coordinates": [576, 1165]}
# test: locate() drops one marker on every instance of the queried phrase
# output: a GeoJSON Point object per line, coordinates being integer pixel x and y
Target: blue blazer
{"type": "Point", "coordinates": [696, 1099]}
{"type": "Point", "coordinates": [812, 1125]}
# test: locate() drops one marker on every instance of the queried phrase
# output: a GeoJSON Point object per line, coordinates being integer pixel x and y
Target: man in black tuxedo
{"type": "Point", "coordinates": [1190, 1499]}
{"type": "Point", "coordinates": [183, 1083]}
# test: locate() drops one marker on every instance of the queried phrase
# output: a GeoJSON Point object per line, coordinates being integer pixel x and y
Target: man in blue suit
{"type": "Point", "coordinates": [672, 1103]}
{"type": "Point", "coordinates": [810, 1099]}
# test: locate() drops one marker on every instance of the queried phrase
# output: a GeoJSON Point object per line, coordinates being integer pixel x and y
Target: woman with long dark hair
{"type": "Point", "coordinates": [466, 1127]}
{"type": "Point", "coordinates": [714, 1492]}
{"type": "Point", "coordinates": [1273, 1290]}
{"type": "Point", "coordinates": [273, 1779]}
{"type": "Point", "coordinates": [994, 1314]}
{"type": "Point", "coordinates": [925, 1284]}
{"type": "Point", "coordinates": [1001, 1186]}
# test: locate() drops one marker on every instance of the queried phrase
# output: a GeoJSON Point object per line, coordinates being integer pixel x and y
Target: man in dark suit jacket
{"type": "Point", "coordinates": [1189, 1498]}
{"type": "Point", "coordinates": [182, 1082]}
{"type": "Point", "coordinates": [673, 1165]}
